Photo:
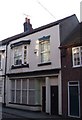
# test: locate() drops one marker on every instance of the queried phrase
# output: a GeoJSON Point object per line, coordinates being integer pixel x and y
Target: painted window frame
{"type": "Point", "coordinates": [24, 55]}
{"type": "Point", "coordinates": [73, 83]}
{"type": "Point", "coordinates": [44, 42]}
{"type": "Point", "coordinates": [1, 87]}
{"type": "Point", "coordinates": [79, 59]}
{"type": "Point", "coordinates": [21, 92]}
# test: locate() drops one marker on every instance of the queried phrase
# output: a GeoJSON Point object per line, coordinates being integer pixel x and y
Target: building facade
{"type": "Point", "coordinates": [2, 71]}
{"type": "Point", "coordinates": [71, 60]}
{"type": "Point", "coordinates": [33, 67]}
{"type": "Point", "coordinates": [34, 70]}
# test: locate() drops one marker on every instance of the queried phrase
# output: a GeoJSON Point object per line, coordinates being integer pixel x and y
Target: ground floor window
{"type": "Point", "coordinates": [1, 87]}
{"type": "Point", "coordinates": [25, 91]}
{"type": "Point", "coordinates": [73, 99]}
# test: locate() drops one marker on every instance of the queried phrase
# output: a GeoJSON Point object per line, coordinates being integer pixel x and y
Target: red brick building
{"type": "Point", "coordinates": [71, 65]}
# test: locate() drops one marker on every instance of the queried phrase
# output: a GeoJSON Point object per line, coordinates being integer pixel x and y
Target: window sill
{"type": "Point", "coordinates": [36, 105]}
{"type": "Point", "coordinates": [19, 66]}
{"type": "Point", "coordinates": [77, 66]}
{"type": "Point", "coordinates": [43, 64]}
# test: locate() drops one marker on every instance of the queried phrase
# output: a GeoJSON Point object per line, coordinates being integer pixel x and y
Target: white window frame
{"type": "Point", "coordinates": [78, 84]}
{"type": "Point", "coordinates": [1, 87]}
{"type": "Point", "coordinates": [80, 47]}
{"type": "Point", "coordinates": [22, 52]}
{"type": "Point", "coordinates": [45, 51]}
{"type": "Point", "coordinates": [21, 90]}
{"type": "Point", "coordinates": [17, 49]}
{"type": "Point", "coordinates": [15, 89]}
{"type": "Point", "coordinates": [25, 57]}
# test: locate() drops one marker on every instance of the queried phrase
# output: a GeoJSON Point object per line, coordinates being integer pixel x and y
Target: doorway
{"type": "Point", "coordinates": [54, 100]}
{"type": "Point", "coordinates": [74, 99]}
{"type": "Point", "coordinates": [43, 98]}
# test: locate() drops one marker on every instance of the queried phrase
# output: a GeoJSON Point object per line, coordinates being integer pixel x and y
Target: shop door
{"type": "Point", "coordinates": [73, 101]}
{"type": "Point", "coordinates": [54, 100]}
{"type": "Point", "coordinates": [44, 99]}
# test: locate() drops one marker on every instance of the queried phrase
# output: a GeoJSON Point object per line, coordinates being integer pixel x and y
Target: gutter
{"type": "Point", "coordinates": [5, 75]}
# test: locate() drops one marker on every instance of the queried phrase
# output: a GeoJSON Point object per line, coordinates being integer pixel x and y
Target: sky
{"type": "Point", "coordinates": [40, 12]}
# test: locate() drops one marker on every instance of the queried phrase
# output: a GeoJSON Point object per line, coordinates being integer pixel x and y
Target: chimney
{"type": "Point", "coordinates": [27, 25]}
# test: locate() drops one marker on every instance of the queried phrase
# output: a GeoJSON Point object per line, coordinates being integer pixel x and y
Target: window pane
{"type": "Point", "coordinates": [25, 54]}
{"type": "Point", "coordinates": [24, 84]}
{"type": "Point", "coordinates": [76, 56]}
{"type": "Point", "coordinates": [12, 84]}
{"type": "Point", "coordinates": [1, 85]}
{"type": "Point", "coordinates": [12, 96]}
{"type": "Point", "coordinates": [45, 57]}
{"type": "Point", "coordinates": [37, 97]}
{"type": "Point", "coordinates": [18, 56]}
{"type": "Point", "coordinates": [31, 91]}
{"type": "Point", "coordinates": [45, 51]}
{"type": "Point", "coordinates": [18, 95]}
{"type": "Point", "coordinates": [31, 97]}
{"type": "Point", "coordinates": [18, 84]}
{"type": "Point", "coordinates": [31, 84]}
{"type": "Point", "coordinates": [24, 96]}
{"type": "Point", "coordinates": [42, 47]}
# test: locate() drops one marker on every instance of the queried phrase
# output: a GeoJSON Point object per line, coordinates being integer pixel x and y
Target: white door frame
{"type": "Point", "coordinates": [73, 83]}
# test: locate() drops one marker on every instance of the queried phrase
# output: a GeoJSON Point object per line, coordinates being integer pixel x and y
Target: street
{"type": "Point", "coordinates": [7, 115]}
{"type": "Point", "coordinates": [16, 114]}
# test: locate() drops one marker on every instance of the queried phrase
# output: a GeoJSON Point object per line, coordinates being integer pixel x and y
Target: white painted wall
{"type": "Point", "coordinates": [2, 70]}
{"type": "Point", "coordinates": [34, 60]}
{"type": "Point", "coordinates": [53, 81]}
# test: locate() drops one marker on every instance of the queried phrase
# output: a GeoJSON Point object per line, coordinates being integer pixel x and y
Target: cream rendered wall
{"type": "Point", "coordinates": [34, 59]}
{"type": "Point", "coordinates": [53, 81]}
{"type": "Point", "coordinates": [2, 71]}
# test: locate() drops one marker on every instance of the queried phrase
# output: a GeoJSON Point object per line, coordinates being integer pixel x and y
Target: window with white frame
{"type": "Point", "coordinates": [32, 92]}
{"type": "Point", "coordinates": [45, 50]}
{"type": "Point", "coordinates": [77, 56]}
{"type": "Point", "coordinates": [13, 91]}
{"type": "Point", "coordinates": [18, 91]}
{"type": "Point", "coordinates": [1, 86]}
{"type": "Point", "coordinates": [25, 54]}
{"type": "Point", "coordinates": [23, 91]}
{"type": "Point", "coordinates": [20, 55]}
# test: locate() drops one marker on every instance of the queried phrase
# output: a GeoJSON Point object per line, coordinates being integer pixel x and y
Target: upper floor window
{"type": "Point", "coordinates": [20, 55]}
{"type": "Point", "coordinates": [77, 56]}
{"type": "Point", "coordinates": [45, 49]}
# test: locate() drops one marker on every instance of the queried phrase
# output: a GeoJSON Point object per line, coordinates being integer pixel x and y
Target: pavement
{"type": "Point", "coordinates": [29, 115]}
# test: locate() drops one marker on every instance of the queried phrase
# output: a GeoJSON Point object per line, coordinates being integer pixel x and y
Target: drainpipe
{"type": "Point", "coordinates": [5, 75]}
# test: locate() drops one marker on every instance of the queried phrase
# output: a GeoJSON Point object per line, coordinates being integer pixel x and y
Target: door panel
{"type": "Point", "coordinates": [74, 100]}
{"type": "Point", "coordinates": [54, 100]}
{"type": "Point", "coordinates": [44, 99]}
